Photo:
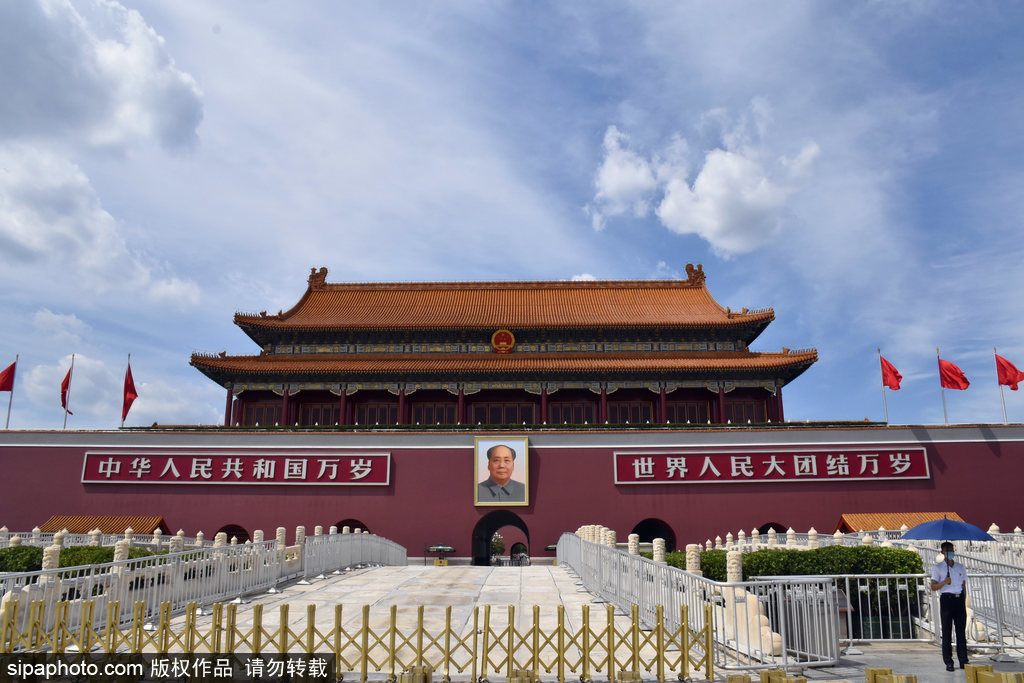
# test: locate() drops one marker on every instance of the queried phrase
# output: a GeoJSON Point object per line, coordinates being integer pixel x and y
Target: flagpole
{"type": "Point", "coordinates": [1002, 396]}
{"type": "Point", "coordinates": [945, 414]}
{"type": "Point", "coordinates": [129, 367]}
{"type": "Point", "coordinates": [67, 396]}
{"type": "Point", "coordinates": [10, 399]}
{"type": "Point", "coordinates": [885, 406]}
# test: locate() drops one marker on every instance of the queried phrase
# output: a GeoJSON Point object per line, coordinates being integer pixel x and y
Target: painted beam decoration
{"type": "Point", "coordinates": [685, 466]}
{"type": "Point", "coordinates": [262, 468]}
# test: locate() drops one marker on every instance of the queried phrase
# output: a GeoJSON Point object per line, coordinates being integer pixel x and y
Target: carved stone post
{"type": "Point", "coordinates": [36, 536]}
{"type": "Point", "coordinates": [755, 539]}
{"type": "Point", "coordinates": [333, 531]}
{"type": "Point", "coordinates": [318, 530]}
{"type": "Point", "coordinates": [734, 566]}
{"type": "Point", "coordinates": [220, 539]}
{"type": "Point", "coordinates": [693, 559]}
{"type": "Point", "coordinates": [773, 538]}
{"type": "Point", "coordinates": [157, 539]}
{"type": "Point", "coordinates": [95, 537]}
{"type": "Point", "coordinates": [14, 541]}
{"type": "Point", "coordinates": [866, 539]}
{"type": "Point", "coordinates": [199, 539]}
{"type": "Point", "coordinates": [633, 542]}
{"type": "Point", "coordinates": [659, 550]}
{"type": "Point", "coordinates": [741, 539]}
{"type": "Point", "coordinates": [257, 536]}
{"type": "Point", "coordinates": [346, 529]}
{"type": "Point", "coordinates": [790, 538]}
{"type": "Point", "coordinates": [812, 538]}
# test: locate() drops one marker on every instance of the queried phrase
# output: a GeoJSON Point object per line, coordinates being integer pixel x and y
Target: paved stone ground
{"type": "Point", "coordinates": [463, 588]}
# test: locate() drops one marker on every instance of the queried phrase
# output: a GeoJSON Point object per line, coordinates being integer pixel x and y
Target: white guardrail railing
{"type": "Point", "coordinates": [203, 576]}
{"type": "Point", "coordinates": [793, 621]}
{"type": "Point", "coordinates": [802, 621]}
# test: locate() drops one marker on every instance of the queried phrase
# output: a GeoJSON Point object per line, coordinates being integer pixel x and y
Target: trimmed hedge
{"type": "Point", "coordinates": [25, 558]}
{"type": "Point", "coordinates": [821, 561]}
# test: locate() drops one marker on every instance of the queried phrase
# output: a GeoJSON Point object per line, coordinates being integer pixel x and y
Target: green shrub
{"type": "Point", "coordinates": [827, 561]}
{"type": "Point", "coordinates": [21, 558]}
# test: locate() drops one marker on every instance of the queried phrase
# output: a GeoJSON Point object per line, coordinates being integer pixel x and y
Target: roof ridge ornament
{"type": "Point", "coordinates": [318, 279]}
{"type": "Point", "coordinates": [695, 276]}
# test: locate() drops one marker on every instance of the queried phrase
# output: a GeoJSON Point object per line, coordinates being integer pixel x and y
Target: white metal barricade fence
{"type": "Point", "coordinates": [202, 576]}
{"type": "Point", "coordinates": [757, 624]}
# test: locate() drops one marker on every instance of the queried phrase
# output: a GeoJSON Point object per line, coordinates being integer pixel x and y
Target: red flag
{"type": "Point", "coordinates": [951, 376]}
{"type": "Point", "coordinates": [129, 392]}
{"type": "Point", "coordinates": [891, 377]}
{"type": "Point", "coordinates": [65, 387]}
{"type": "Point", "coordinates": [7, 377]}
{"type": "Point", "coordinates": [1007, 371]}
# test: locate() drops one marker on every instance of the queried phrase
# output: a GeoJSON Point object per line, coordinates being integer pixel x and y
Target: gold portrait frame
{"type": "Point", "coordinates": [486, 495]}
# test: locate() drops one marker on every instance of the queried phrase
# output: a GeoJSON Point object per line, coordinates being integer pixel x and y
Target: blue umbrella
{"type": "Point", "coordinates": [947, 530]}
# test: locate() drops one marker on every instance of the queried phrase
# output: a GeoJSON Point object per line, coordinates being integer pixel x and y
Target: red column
{"type": "Point", "coordinates": [401, 406]}
{"type": "Point", "coordinates": [343, 407]}
{"type": "Point", "coordinates": [460, 407]}
{"type": "Point", "coordinates": [603, 417]}
{"type": "Point", "coordinates": [663, 407]}
{"type": "Point", "coordinates": [543, 405]}
{"type": "Point", "coordinates": [227, 407]}
{"type": "Point", "coordinates": [284, 406]}
{"type": "Point", "coordinates": [721, 405]}
{"type": "Point", "coordinates": [778, 404]}
{"type": "Point", "coordinates": [238, 411]}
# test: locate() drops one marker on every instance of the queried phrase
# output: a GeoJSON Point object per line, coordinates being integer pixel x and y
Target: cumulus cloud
{"type": "Point", "coordinates": [625, 181]}
{"type": "Point", "coordinates": [101, 76]}
{"type": "Point", "coordinates": [583, 277]}
{"type": "Point", "coordinates": [736, 198]}
{"type": "Point", "coordinates": [50, 214]}
{"type": "Point", "coordinates": [59, 329]}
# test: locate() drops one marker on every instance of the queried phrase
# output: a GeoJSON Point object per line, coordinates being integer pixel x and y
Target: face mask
{"type": "Point", "coordinates": [950, 555]}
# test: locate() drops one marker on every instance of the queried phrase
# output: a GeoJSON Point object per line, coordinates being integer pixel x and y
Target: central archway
{"type": "Point", "coordinates": [486, 527]}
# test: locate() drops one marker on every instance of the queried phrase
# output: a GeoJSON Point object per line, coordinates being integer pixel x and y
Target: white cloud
{"type": "Point", "coordinates": [737, 200]}
{"type": "Point", "coordinates": [50, 216]}
{"type": "Point", "coordinates": [58, 329]}
{"type": "Point", "coordinates": [733, 203]}
{"type": "Point", "coordinates": [624, 182]}
{"type": "Point", "coordinates": [583, 277]}
{"type": "Point", "coordinates": [101, 76]}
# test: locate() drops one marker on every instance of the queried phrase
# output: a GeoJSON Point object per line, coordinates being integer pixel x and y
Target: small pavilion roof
{"type": "Point", "coordinates": [873, 521]}
{"type": "Point", "coordinates": [512, 305]}
{"type": "Point", "coordinates": [108, 524]}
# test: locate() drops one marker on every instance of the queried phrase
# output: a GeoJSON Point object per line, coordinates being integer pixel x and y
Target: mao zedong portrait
{"type": "Point", "coordinates": [500, 487]}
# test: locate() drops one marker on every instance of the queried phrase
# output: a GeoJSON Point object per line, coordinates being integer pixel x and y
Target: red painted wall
{"type": "Point", "coordinates": [975, 471]}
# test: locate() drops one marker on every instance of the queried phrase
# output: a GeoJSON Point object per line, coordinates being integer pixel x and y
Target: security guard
{"type": "Point", "coordinates": [949, 578]}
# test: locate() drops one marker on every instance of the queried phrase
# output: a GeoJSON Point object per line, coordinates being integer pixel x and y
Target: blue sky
{"type": "Point", "coordinates": [855, 166]}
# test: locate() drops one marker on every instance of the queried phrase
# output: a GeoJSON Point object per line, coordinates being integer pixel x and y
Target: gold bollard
{"type": "Point", "coordinates": [522, 676]}
{"type": "Point", "coordinates": [629, 677]}
{"type": "Point", "coordinates": [417, 674]}
{"type": "Point", "coordinates": [737, 678]}
{"type": "Point", "coordinates": [768, 675]}
{"type": "Point", "coordinates": [993, 677]}
{"type": "Point", "coordinates": [871, 674]}
{"type": "Point", "coordinates": [971, 671]}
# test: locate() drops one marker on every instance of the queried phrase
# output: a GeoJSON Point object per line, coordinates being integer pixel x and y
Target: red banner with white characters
{"type": "Point", "coordinates": [768, 465]}
{"type": "Point", "coordinates": [276, 468]}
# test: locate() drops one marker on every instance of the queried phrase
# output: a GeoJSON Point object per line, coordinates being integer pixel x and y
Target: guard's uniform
{"type": "Point", "coordinates": [952, 609]}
